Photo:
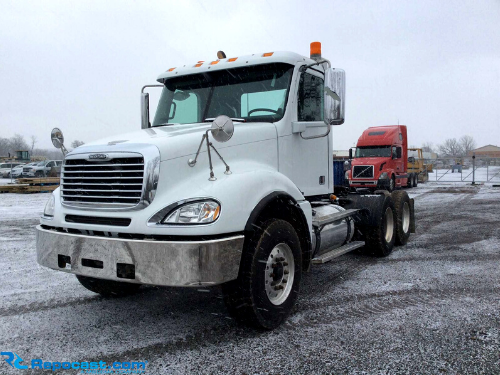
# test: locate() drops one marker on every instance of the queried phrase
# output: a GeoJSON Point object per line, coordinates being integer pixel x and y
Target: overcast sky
{"type": "Point", "coordinates": [80, 65]}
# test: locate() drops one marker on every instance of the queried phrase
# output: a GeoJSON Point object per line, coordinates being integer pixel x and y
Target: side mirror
{"type": "Point", "coordinates": [350, 153]}
{"type": "Point", "coordinates": [398, 152]}
{"type": "Point", "coordinates": [144, 110]}
{"type": "Point", "coordinates": [334, 96]}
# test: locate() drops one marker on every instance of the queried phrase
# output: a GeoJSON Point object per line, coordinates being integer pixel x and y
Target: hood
{"type": "Point", "coordinates": [376, 162]}
{"type": "Point", "coordinates": [176, 141]}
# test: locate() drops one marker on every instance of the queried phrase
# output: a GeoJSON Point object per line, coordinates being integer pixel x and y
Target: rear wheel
{"type": "Point", "coordinates": [270, 272]}
{"type": "Point", "coordinates": [415, 180]}
{"type": "Point", "coordinates": [108, 288]}
{"type": "Point", "coordinates": [380, 238]}
{"type": "Point", "coordinates": [402, 210]}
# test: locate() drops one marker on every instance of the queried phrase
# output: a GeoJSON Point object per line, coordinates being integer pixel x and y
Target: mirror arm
{"type": "Point", "coordinates": [303, 68]}
{"type": "Point", "coordinates": [317, 136]}
{"type": "Point", "coordinates": [143, 87]}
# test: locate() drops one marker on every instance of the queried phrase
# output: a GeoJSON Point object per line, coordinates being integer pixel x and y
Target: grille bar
{"type": "Point", "coordinates": [102, 165]}
{"type": "Point", "coordinates": [110, 171]}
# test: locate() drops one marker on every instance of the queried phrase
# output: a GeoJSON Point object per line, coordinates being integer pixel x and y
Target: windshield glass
{"type": "Point", "coordinates": [373, 151]}
{"type": "Point", "coordinates": [253, 93]}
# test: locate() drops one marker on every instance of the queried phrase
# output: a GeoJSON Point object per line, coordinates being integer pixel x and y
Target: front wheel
{"type": "Point", "coordinates": [269, 280]}
{"type": "Point", "coordinates": [392, 184]}
{"type": "Point", "coordinates": [415, 180]}
{"type": "Point", "coordinates": [108, 288]}
{"type": "Point", "coordinates": [39, 174]}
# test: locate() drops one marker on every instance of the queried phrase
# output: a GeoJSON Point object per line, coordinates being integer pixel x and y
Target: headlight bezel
{"type": "Point", "coordinates": [51, 207]}
{"type": "Point", "coordinates": [159, 219]}
{"type": "Point", "coordinates": [384, 176]}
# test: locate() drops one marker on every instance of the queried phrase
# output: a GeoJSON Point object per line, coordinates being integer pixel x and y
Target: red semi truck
{"type": "Point", "coordinates": [381, 159]}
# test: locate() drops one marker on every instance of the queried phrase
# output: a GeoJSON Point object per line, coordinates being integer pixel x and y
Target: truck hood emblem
{"type": "Point", "coordinates": [98, 157]}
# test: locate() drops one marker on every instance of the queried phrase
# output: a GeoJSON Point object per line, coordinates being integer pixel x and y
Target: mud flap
{"type": "Point", "coordinates": [370, 206]}
{"type": "Point", "coordinates": [412, 215]}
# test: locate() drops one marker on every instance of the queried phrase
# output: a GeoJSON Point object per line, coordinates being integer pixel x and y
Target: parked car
{"type": "Point", "coordinates": [6, 167]}
{"type": "Point", "coordinates": [42, 168]}
{"type": "Point", "coordinates": [17, 171]}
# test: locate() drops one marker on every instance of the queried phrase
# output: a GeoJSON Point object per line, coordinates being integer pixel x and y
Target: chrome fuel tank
{"type": "Point", "coordinates": [335, 234]}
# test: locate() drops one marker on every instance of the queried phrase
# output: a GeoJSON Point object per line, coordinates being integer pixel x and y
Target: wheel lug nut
{"type": "Point", "coordinates": [285, 264]}
{"type": "Point", "coordinates": [271, 275]}
{"type": "Point", "coordinates": [284, 281]}
{"type": "Point", "coordinates": [286, 272]}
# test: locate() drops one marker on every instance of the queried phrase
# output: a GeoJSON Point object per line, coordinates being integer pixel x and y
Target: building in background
{"type": "Point", "coordinates": [490, 151]}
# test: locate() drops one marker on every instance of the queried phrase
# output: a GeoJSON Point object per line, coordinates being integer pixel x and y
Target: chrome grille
{"type": "Point", "coordinates": [362, 171]}
{"type": "Point", "coordinates": [115, 182]}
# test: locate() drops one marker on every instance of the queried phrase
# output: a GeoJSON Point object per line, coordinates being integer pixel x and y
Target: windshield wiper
{"type": "Point", "coordinates": [211, 119]}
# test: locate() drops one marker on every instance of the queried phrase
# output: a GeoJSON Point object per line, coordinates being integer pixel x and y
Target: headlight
{"type": "Point", "coordinates": [202, 212]}
{"type": "Point", "coordinates": [383, 176]}
{"type": "Point", "coordinates": [49, 207]}
{"type": "Point", "coordinates": [346, 176]}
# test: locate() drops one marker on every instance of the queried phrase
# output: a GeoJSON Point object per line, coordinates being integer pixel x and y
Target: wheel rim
{"type": "Point", "coordinates": [406, 217]}
{"type": "Point", "coordinates": [280, 273]}
{"type": "Point", "coordinates": [389, 224]}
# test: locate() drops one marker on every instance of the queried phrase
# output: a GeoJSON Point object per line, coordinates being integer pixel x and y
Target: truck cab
{"type": "Point", "coordinates": [380, 159]}
{"type": "Point", "coordinates": [229, 183]}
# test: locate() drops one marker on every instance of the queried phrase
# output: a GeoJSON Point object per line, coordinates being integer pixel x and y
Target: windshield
{"type": "Point", "coordinates": [253, 93]}
{"type": "Point", "coordinates": [373, 151]}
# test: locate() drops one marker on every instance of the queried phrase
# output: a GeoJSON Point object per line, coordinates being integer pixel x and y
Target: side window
{"type": "Point", "coordinates": [398, 152]}
{"type": "Point", "coordinates": [310, 100]}
{"type": "Point", "coordinates": [50, 165]}
{"type": "Point", "coordinates": [184, 108]}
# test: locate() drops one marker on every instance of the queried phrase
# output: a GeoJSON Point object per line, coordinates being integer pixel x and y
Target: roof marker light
{"type": "Point", "coordinates": [232, 59]}
{"type": "Point", "coordinates": [214, 62]}
{"type": "Point", "coordinates": [267, 54]}
{"type": "Point", "coordinates": [171, 69]}
{"type": "Point", "coordinates": [198, 65]}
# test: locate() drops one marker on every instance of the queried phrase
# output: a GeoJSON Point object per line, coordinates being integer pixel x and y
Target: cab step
{"type": "Point", "coordinates": [321, 221]}
{"type": "Point", "coordinates": [326, 257]}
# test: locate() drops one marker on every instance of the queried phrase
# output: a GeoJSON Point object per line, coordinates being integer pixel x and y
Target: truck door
{"type": "Point", "coordinates": [311, 157]}
{"type": "Point", "coordinates": [397, 159]}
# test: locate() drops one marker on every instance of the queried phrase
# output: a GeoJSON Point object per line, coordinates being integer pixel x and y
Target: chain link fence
{"type": "Point", "coordinates": [464, 169]}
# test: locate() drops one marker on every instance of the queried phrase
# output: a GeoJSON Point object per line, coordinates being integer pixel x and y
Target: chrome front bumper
{"type": "Point", "coordinates": [168, 263]}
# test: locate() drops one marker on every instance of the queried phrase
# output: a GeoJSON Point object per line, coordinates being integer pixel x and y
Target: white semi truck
{"type": "Point", "coordinates": [231, 183]}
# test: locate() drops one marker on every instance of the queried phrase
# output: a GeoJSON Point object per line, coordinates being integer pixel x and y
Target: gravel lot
{"type": "Point", "coordinates": [433, 306]}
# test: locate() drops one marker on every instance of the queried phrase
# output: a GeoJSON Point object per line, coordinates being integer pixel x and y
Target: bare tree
{"type": "Point", "coordinates": [427, 147]}
{"type": "Point", "coordinates": [33, 142]}
{"type": "Point", "coordinates": [451, 147]}
{"type": "Point", "coordinates": [76, 143]}
{"type": "Point", "coordinates": [17, 143]}
{"type": "Point", "coordinates": [4, 146]}
{"type": "Point", "coordinates": [468, 144]}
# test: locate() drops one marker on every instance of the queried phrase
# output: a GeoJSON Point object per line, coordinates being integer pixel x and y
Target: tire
{"type": "Point", "coordinates": [39, 174]}
{"type": "Point", "coordinates": [271, 255]}
{"type": "Point", "coordinates": [108, 288]}
{"type": "Point", "coordinates": [392, 185]}
{"type": "Point", "coordinates": [380, 238]}
{"type": "Point", "coordinates": [415, 180]}
{"type": "Point", "coordinates": [409, 182]}
{"type": "Point", "coordinates": [403, 217]}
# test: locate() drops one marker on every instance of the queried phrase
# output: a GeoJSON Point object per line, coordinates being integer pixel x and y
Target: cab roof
{"type": "Point", "coordinates": [382, 135]}
{"type": "Point", "coordinates": [234, 62]}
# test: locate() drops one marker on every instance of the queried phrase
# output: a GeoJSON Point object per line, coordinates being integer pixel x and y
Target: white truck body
{"type": "Point", "coordinates": [119, 235]}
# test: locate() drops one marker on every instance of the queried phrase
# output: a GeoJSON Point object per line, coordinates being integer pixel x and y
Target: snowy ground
{"type": "Point", "coordinates": [433, 306]}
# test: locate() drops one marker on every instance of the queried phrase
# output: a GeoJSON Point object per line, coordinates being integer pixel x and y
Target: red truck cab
{"type": "Point", "coordinates": [380, 160]}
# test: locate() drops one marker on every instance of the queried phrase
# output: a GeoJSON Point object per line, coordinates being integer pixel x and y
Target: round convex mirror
{"type": "Point", "coordinates": [57, 138]}
{"type": "Point", "coordinates": [222, 128]}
